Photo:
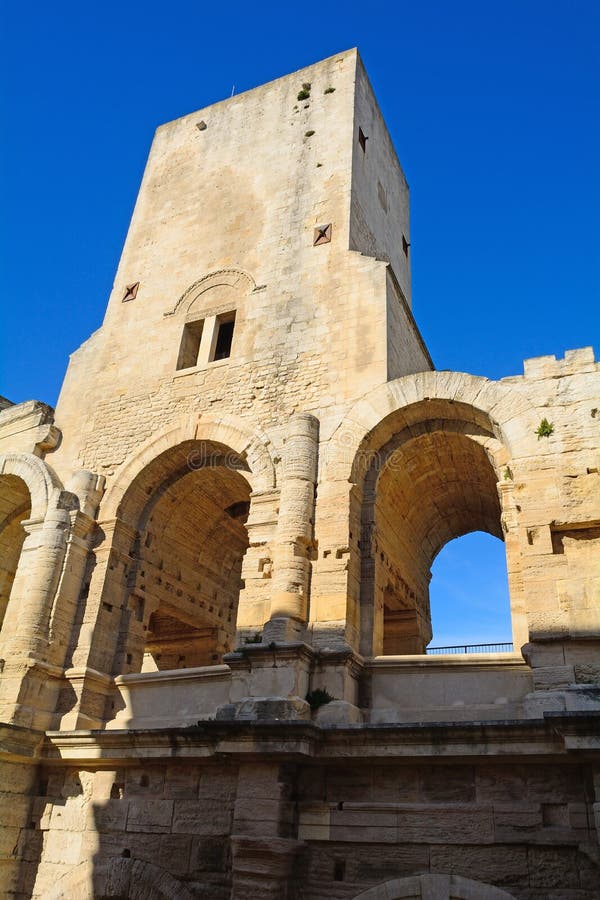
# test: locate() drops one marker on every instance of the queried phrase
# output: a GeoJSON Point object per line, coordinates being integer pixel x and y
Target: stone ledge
{"type": "Point", "coordinates": [554, 736]}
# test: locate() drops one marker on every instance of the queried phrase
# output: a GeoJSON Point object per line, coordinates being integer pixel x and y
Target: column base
{"type": "Point", "coordinates": [283, 630]}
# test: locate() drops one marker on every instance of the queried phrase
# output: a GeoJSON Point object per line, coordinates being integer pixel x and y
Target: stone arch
{"type": "Point", "coordinates": [135, 879]}
{"type": "Point", "coordinates": [250, 447]}
{"type": "Point", "coordinates": [30, 494]}
{"type": "Point", "coordinates": [442, 887]}
{"type": "Point", "coordinates": [167, 577]}
{"type": "Point", "coordinates": [492, 404]}
{"type": "Point", "coordinates": [424, 455]}
{"type": "Point", "coordinates": [229, 279]}
{"type": "Point", "coordinates": [42, 483]}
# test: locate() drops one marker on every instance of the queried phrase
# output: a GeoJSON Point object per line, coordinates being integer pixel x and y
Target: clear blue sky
{"type": "Point", "coordinates": [493, 107]}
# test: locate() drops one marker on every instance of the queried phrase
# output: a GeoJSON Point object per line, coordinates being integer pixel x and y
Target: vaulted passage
{"type": "Point", "coordinates": [15, 506]}
{"type": "Point", "coordinates": [189, 546]}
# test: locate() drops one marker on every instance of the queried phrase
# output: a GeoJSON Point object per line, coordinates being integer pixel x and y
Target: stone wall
{"type": "Point", "coordinates": [305, 827]}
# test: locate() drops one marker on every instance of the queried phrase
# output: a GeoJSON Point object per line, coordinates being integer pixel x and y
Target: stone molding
{"type": "Point", "coordinates": [555, 735]}
{"type": "Point", "coordinates": [234, 278]}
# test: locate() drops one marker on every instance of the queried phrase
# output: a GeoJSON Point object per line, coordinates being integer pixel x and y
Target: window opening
{"type": "Point", "coordinates": [190, 344]}
{"type": "Point", "coordinates": [470, 606]}
{"type": "Point", "coordinates": [362, 140]}
{"type": "Point", "coordinates": [225, 326]}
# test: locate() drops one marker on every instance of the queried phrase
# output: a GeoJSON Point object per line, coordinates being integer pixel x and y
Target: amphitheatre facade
{"type": "Point", "coordinates": [215, 555]}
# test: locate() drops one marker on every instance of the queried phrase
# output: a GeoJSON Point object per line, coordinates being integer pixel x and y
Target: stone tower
{"type": "Point", "coordinates": [232, 516]}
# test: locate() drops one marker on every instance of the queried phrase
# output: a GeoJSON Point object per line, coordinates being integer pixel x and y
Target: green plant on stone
{"type": "Point", "coordinates": [329, 90]}
{"type": "Point", "coordinates": [255, 639]}
{"type": "Point", "coordinates": [545, 428]}
{"type": "Point", "coordinates": [308, 133]}
{"type": "Point", "coordinates": [508, 475]}
{"type": "Point", "coordinates": [318, 697]}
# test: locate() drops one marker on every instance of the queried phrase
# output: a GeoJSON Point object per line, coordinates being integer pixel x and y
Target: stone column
{"type": "Point", "coordinates": [25, 629]}
{"type": "Point", "coordinates": [291, 575]}
{"type": "Point", "coordinates": [103, 628]}
{"type": "Point", "coordinates": [24, 646]}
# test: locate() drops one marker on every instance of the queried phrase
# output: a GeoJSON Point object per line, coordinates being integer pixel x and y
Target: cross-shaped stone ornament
{"type": "Point", "coordinates": [131, 291]}
{"type": "Point", "coordinates": [322, 235]}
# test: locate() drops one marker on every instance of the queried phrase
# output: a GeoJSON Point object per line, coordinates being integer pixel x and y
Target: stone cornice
{"type": "Point", "coordinates": [553, 737]}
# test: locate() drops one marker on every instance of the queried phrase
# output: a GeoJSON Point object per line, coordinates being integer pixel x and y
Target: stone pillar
{"type": "Point", "coordinates": [25, 629]}
{"type": "Point", "coordinates": [510, 527]}
{"type": "Point", "coordinates": [64, 609]}
{"type": "Point", "coordinates": [29, 685]}
{"type": "Point", "coordinates": [257, 567]}
{"type": "Point", "coordinates": [100, 650]}
{"type": "Point", "coordinates": [291, 576]}
{"type": "Point", "coordinates": [263, 837]}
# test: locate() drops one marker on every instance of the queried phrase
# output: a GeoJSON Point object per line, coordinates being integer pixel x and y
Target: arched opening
{"type": "Point", "coordinates": [442, 887]}
{"type": "Point", "coordinates": [188, 509]}
{"type": "Point", "coordinates": [433, 481]}
{"type": "Point", "coordinates": [15, 507]}
{"type": "Point", "coordinates": [468, 596]}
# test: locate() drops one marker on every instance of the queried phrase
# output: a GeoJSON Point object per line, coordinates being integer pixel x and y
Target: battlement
{"type": "Point", "coordinates": [574, 362]}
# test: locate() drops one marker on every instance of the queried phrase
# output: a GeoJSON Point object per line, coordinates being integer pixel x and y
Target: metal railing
{"type": "Point", "coordinates": [471, 648]}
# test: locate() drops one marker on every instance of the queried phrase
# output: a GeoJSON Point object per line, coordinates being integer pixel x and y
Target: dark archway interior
{"type": "Point", "coordinates": [15, 506]}
{"type": "Point", "coordinates": [190, 543]}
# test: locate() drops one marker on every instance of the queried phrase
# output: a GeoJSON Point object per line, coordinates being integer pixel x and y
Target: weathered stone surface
{"type": "Point", "coordinates": [210, 817]}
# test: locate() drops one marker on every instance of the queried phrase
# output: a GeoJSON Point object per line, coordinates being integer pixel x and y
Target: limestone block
{"type": "Point", "coordinates": [208, 854]}
{"type": "Point", "coordinates": [516, 822]}
{"type": "Point", "coordinates": [104, 780]}
{"type": "Point", "coordinates": [313, 822]}
{"type": "Point", "coordinates": [218, 783]}
{"type": "Point", "coordinates": [338, 712]}
{"type": "Point", "coordinates": [110, 815]}
{"type": "Point", "coordinates": [262, 816]}
{"type": "Point", "coordinates": [492, 865]}
{"type": "Point", "coordinates": [553, 677]}
{"type": "Point", "coordinates": [265, 709]}
{"type": "Point", "coordinates": [582, 697]}
{"type": "Point", "coordinates": [447, 783]}
{"type": "Point", "coordinates": [62, 847]}
{"type": "Point", "coordinates": [69, 817]}
{"type": "Point", "coordinates": [175, 853]}
{"type": "Point", "coordinates": [181, 781]}
{"type": "Point", "coordinates": [454, 823]}
{"type": "Point", "coordinates": [554, 868]}
{"type": "Point", "coordinates": [9, 836]}
{"type": "Point", "coordinates": [14, 809]}
{"type": "Point", "coordinates": [208, 817]}
{"type": "Point", "coordinates": [150, 815]}
{"type": "Point", "coordinates": [143, 781]}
